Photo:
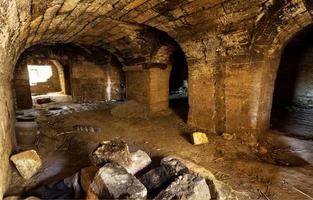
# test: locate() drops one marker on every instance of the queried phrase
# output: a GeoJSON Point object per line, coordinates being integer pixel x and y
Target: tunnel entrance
{"type": "Point", "coordinates": [66, 73]}
{"type": "Point", "coordinates": [292, 111]}
{"type": "Point", "coordinates": [178, 86]}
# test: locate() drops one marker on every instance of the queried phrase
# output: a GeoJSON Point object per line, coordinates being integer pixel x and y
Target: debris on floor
{"type": "Point", "coordinates": [199, 138]}
{"type": "Point", "coordinates": [28, 163]}
{"type": "Point", "coordinates": [116, 175]}
{"type": "Point", "coordinates": [228, 136]}
{"type": "Point", "coordinates": [87, 128]}
{"type": "Point", "coordinates": [43, 100]}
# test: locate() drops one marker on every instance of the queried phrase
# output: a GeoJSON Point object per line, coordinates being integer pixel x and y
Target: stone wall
{"type": "Point", "coordinates": [150, 87]}
{"type": "Point", "coordinates": [96, 82]}
{"type": "Point", "coordinates": [21, 86]}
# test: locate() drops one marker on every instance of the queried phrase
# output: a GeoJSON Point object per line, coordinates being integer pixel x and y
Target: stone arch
{"type": "Point", "coordinates": [267, 54]}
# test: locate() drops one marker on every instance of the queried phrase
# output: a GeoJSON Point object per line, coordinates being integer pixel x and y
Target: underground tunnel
{"type": "Point", "coordinates": [156, 99]}
{"type": "Point", "coordinates": [292, 103]}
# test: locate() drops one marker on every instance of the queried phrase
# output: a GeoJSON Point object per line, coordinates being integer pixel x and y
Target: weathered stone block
{"type": "Point", "coordinates": [27, 163]}
{"type": "Point", "coordinates": [113, 181]}
{"type": "Point", "coordinates": [187, 187]}
{"type": "Point", "coordinates": [139, 161]}
{"type": "Point", "coordinates": [199, 138]}
{"type": "Point", "coordinates": [111, 151]}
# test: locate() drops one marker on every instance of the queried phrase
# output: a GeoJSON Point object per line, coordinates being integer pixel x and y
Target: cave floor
{"type": "Point", "coordinates": [293, 121]}
{"type": "Point", "coordinates": [65, 150]}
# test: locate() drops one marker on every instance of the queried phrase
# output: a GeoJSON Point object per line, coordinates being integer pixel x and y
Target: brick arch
{"type": "Point", "coordinates": [267, 53]}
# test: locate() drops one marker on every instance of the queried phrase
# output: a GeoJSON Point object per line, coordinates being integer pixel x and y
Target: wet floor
{"type": "Point", "coordinates": [293, 121]}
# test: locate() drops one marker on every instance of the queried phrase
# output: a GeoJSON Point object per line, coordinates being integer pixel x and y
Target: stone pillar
{"type": "Point", "coordinates": [149, 87]}
{"type": "Point", "coordinates": [22, 86]}
{"type": "Point", "coordinates": [201, 94]}
{"type": "Point", "coordinates": [159, 89]}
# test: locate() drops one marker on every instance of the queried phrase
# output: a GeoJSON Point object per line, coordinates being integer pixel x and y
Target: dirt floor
{"type": "Point", "coordinates": [281, 171]}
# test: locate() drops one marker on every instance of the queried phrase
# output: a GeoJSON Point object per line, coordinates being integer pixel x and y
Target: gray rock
{"type": "Point", "coordinates": [173, 166]}
{"type": "Point", "coordinates": [113, 181]}
{"type": "Point", "coordinates": [111, 151]}
{"type": "Point", "coordinates": [186, 187]}
{"type": "Point", "coordinates": [139, 161]}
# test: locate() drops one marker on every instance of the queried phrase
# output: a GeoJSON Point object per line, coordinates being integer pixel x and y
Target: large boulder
{"type": "Point", "coordinates": [187, 187]}
{"type": "Point", "coordinates": [111, 151]}
{"type": "Point", "coordinates": [113, 181]}
{"type": "Point", "coordinates": [28, 163]}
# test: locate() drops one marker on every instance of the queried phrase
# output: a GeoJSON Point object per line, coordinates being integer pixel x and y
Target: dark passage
{"type": "Point", "coordinates": [178, 87]}
{"type": "Point", "coordinates": [292, 111]}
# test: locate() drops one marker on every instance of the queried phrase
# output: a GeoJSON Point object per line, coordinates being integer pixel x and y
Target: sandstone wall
{"type": "Point", "coordinates": [96, 82]}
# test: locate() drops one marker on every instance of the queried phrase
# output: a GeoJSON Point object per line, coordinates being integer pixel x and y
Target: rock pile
{"type": "Point", "coordinates": [117, 173]}
{"type": "Point", "coordinates": [119, 176]}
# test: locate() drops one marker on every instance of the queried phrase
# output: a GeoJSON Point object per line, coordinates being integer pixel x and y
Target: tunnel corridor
{"type": "Point", "coordinates": [156, 99]}
{"type": "Point", "coordinates": [293, 95]}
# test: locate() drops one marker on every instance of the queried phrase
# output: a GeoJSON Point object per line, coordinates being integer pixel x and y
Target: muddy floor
{"type": "Point", "coordinates": [283, 170]}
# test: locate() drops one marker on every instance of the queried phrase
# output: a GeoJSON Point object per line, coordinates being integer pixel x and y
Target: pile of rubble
{"type": "Point", "coordinates": [116, 173]}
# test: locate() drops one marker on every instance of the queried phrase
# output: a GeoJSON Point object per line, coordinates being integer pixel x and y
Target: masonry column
{"type": "Point", "coordinates": [149, 87]}
{"type": "Point", "coordinates": [159, 89]}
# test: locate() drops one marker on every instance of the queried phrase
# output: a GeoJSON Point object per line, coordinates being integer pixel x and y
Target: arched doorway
{"type": "Point", "coordinates": [292, 111]}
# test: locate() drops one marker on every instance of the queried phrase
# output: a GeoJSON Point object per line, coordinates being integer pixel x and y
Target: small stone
{"type": "Point", "coordinates": [228, 136]}
{"type": "Point", "coordinates": [188, 187]}
{"type": "Point", "coordinates": [87, 174]}
{"type": "Point", "coordinates": [113, 181]}
{"type": "Point", "coordinates": [111, 151]}
{"type": "Point", "coordinates": [28, 163]}
{"type": "Point", "coordinates": [139, 161]}
{"type": "Point", "coordinates": [199, 138]}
